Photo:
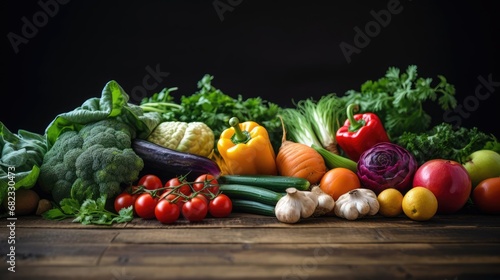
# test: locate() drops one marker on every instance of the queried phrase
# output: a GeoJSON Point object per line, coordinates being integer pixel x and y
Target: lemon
{"type": "Point", "coordinates": [420, 204]}
{"type": "Point", "coordinates": [390, 201]}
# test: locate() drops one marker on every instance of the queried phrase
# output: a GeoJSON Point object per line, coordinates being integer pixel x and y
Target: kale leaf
{"type": "Point", "coordinates": [444, 141]}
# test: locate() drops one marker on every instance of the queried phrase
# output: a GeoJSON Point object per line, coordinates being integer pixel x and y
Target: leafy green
{"type": "Point", "coordinates": [398, 99]}
{"type": "Point", "coordinates": [96, 160]}
{"type": "Point", "coordinates": [316, 122]}
{"type": "Point", "coordinates": [113, 102]}
{"type": "Point", "coordinates": [90, 147]}
{"type": "Point", "coordinates": [444, 141]}
{"type": "Point", "coordinates": [211, 106]}
{"type": "Point", "coordinates": [21, 157]}
{"type": "Point", "coordinates": [89, 212]}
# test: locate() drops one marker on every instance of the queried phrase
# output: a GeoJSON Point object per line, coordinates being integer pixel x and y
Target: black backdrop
{"type": "Point", "coordinates": [279, 50]}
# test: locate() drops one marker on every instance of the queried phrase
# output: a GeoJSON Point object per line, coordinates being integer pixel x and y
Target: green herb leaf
{"type": "Point", "coordinates": [444, 141]}
{"type": "Point", "coordinates": [70, 206]}
{"type": "Point", "coordinates": [211, 106]}
{"type": "Point", "coordinates": [398, 99]}
{"type": "Point", "coordinates": [90, 212]}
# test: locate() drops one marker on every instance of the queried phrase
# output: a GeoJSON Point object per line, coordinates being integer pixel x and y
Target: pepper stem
{"type": "Point", "coordinates": [239, 136]}
{"type": "Point", "coordinates": [354, 125]}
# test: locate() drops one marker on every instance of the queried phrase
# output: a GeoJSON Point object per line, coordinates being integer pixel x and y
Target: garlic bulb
{"type": "Point", "coordinates": [356, 204]}
{"type": "Point", "coordinates": [326, 203]}
{"type": "Point", "coordinates": [295, 205]}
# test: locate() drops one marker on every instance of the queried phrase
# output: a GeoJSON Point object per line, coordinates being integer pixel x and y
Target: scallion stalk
{"type": "Point", "coordinates": [299, 127]}
{"type": "Point", "coordinates": [333, 160]}
{"type": "Point", "coordinates": [326, 117]}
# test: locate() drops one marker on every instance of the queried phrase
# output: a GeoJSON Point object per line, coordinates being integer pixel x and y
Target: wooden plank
{"type": "Point", "coordinates": [193, 271]}
{"type": "Point", "coordinates": [310, 235]}
{"type": "Point", "coordinates": [61, 236]}
{"type": "Point", "coordinates": [257, 235]}
{"type": "Point", "coordinates": [299, 254]}
{"type": "Point", "coordinates": [33, 221]}
{"type": "Point", "coordinates": [242, 220]}
{"type": "Point", "coordinates": [57, 254]}
{"type": "Point", "coordinates": [247, 246]}
{"type": "Point", "coordinates": [28, 254]}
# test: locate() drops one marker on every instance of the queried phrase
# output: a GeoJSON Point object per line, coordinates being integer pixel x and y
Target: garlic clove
{"type": "Point", "coordinates": [326, 203]}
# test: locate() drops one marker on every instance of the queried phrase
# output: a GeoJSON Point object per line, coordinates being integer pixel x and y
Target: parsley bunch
{"type": "Point", "coordinates": [211, 106]}
{"type": "Point", "coordinates": [89, 212]}
{"type": "Point", "coordinates": [398, 99]}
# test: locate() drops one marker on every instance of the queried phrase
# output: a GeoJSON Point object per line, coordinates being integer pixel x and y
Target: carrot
{"type": "Point", "coordinates": [299, 160]}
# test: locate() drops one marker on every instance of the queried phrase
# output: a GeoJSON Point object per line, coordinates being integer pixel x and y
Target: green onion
{"type": "Point", "coordinates": [326, 117]}
{"type": "Point", "coordinates": [333, 160]}
{"type": "Point", "coordinates": [298, 127]}
{"type": "Point", "coordinates": [316, 122]}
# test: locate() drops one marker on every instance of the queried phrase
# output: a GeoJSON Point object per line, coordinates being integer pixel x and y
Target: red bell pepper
{"type": "Point", "coordinates": [360, 132]}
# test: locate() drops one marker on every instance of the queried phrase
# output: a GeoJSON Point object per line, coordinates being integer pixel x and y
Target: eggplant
{"type": "Point", "coordinates": [169, 163]}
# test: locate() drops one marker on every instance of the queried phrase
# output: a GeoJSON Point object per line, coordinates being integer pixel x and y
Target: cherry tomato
{"type": "Point", "coordinates": [176, 182]}
{"type": "Point", "coordinates": [167, 212]}
{"type": "Point", "coordinates": [150, 182]}
{"type": "Point", "coordinates": [486, 196]}
{"type": "Point", "coordinates": [173, 198]}
{"type": "Point", "coordinates": [195, 209]}
{"type": "Point", "coordinates": [145, 206]}
{"type": "Point", "coordinates": [221, 206]}
{"type": "Point", "coordinates": [124, 200]}
{"type": "Point", "coordinates": [206, 184]}
{"type": "Point", "coordinates": [202, 197]}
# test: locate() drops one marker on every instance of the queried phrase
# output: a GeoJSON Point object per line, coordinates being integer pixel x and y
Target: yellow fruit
{"type": "Point", "coordinates": [390, 201]}
{"type": "Point", "coordinates": [420, 204]}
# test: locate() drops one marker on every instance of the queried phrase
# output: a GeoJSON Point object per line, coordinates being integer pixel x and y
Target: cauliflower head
{"type": "Point", "coordinates": [96, 160]}
{"type": "Point", "coordinates": [190, 137]}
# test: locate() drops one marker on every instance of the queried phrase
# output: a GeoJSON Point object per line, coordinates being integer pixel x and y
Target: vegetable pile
{"type": "Point", "coordinates": [209, 154]}
{"type": "Point", "coordinates": [211, 106]}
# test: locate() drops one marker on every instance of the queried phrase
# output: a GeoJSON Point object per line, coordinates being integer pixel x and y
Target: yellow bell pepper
{"type": "Point", "coordinates": [246, 149]}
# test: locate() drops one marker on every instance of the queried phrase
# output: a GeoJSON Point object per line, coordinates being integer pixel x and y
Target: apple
{"type": "Point", "coordinates": [448, 180]}
{"type": "Point", "coordinates": [481, 165]}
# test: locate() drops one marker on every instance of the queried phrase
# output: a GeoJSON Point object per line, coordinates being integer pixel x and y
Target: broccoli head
{"type": "Point", "coordinates": [96, 160]}
{"type": "Point", "coordinates": [58, 171]}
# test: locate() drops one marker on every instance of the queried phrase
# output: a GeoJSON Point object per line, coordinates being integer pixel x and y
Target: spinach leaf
{"type": "Point", "coordinates": [112, 103]}
{"type": "Point", "coordinates": [21, 157]}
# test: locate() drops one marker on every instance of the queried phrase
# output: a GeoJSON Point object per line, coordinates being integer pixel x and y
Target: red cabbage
{"type": "Point", "coordinates": [386, 165]}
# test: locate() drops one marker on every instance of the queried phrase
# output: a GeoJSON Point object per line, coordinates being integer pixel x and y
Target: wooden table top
{"type": "Point", "coordinates": [244, 246]}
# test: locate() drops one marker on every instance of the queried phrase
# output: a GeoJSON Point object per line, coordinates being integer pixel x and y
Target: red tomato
{"type": "Point", "coordinates": [221, 206]}
{"type": "Point", "coordinates": [202, 196]}
{"type": "Point", "coordinates": [206, 184]}
{"type": "Point", "coordinates": [124, 200]}
{"type": "Point", "coordinates": [174, 183]}
{"type": "Point", "coordinates": [167, 212]}
{"type": "Point", "coordinates": [145, 206]}
{"type": "Point", "coordinates": [486, 196]}
{"type": "Point", "coordinates": [195, 209]}
{"type": "Point", "coordinates": [150, 182]}
{"type": "Point", "coordinates": [173, 198]}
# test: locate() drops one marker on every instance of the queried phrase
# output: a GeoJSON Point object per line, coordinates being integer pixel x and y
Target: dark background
{"type": "Point", "coordinates": [279, 50]}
